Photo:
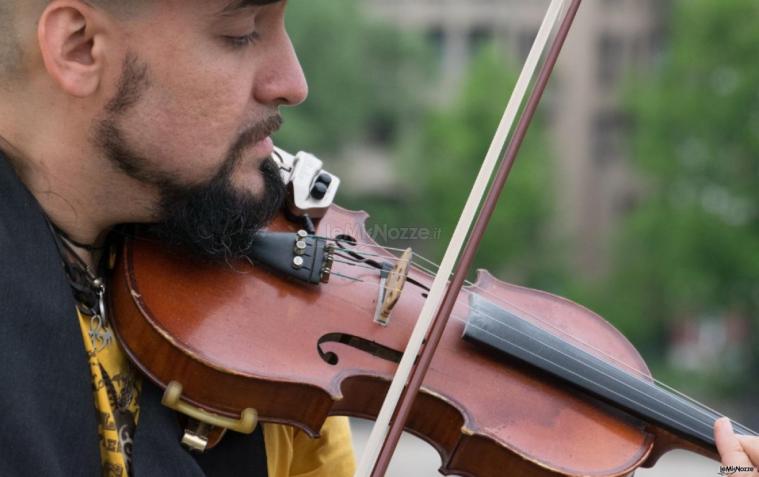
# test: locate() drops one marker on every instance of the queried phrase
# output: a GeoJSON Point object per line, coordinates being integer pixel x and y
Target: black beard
{"type": "Point", "coordinates": [213, 220]}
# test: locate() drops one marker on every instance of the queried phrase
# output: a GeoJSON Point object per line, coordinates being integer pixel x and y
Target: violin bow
{"type": "Point", "coordinates": [437, 309]}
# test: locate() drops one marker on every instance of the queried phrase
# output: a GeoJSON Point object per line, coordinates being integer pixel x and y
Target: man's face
{"type": "Point", "coordinates": [197, 100]}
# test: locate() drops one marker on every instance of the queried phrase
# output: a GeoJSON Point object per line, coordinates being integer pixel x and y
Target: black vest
{"type": "Point", "coordinates": [48, 424]}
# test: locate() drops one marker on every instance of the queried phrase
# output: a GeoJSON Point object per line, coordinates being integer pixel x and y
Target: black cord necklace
{"type": "Point", "coordinates": [87, 285]}
{"type": "Point", "coordinates": [62, 234]}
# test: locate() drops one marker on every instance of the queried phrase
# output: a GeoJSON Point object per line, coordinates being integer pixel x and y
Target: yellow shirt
{"type": "Point", "coordinates": [116, 386]}
{"type": "Point", "coordinates": [291, 453]}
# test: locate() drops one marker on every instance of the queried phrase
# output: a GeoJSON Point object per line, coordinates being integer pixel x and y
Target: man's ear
{"type": "Point", "coordinates": [70, 41]}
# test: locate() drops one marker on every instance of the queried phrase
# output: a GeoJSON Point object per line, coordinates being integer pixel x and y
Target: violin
{"type": "Point", "coordinates": [523, 383]}
{"type": "Point", "coordinates": [315, 322]}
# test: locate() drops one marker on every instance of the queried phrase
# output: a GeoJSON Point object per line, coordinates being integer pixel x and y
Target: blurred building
{"type": "Point", "coordinates": [610, 40]}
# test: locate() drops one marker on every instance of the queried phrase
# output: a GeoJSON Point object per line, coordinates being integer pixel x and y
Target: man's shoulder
{"type": "Point", "coordinates": [21, 218]}
{"type": "Point", "coordinates": [32, 282]}
{"type": "Point", "coordinates": [24, 235]}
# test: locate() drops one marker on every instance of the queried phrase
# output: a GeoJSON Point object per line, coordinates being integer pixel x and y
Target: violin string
{"type": "Point", "coordinates": [471, 287]}
{"type": "Point", "coordinates": [639, 375]}
{"type": "Point", "coordinates": [381, 255]}
{"type": "Point", "coordinates": [357, 244]}
{"type": "Point", "coordinates": [700, 407]}
{"type": "Point", "coordinates": [646, 383]}
{"type": "Point", "coordinates": [682, 398]}
{"type": "Point", "coordinates": [601, 386]}
{"type": "Point", "coordinates": [346, 277]}
{"type": "Point", "coordinates": [522, 314]}
{"type": "Point", "coordinates": [698, 433]}
{"type": "Point", "coordinates": [685, 399]}
{"type": "Point", "coordinates": [354, 264]}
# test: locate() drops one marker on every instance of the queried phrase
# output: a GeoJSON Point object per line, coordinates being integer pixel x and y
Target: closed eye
{"type": "Point", "coordinates": [242, 41]}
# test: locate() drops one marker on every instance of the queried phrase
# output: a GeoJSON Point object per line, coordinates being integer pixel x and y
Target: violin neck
{"type": "Point", "coordinates": [635, 394]}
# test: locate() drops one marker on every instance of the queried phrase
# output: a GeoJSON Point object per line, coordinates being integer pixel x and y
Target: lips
{"type": "Point", "coordinates": [258, 138]}
{"type": "Point", "coordinates": [263, 148]}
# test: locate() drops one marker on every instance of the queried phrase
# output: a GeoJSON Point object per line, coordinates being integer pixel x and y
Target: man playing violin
{"type": "Point", "coordinates": [137, 111]}
{"type": "Point", "coordinates": [123, 112]}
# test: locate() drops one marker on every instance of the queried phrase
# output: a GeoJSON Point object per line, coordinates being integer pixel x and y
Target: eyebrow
{"type": "Point", "coordinates": [237, 5]}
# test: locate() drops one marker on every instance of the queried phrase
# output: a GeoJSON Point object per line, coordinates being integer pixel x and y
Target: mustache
{"type": "Point", "coordinates": [253, 135]}
{"type": "Point", "coordinates": [259, 131]}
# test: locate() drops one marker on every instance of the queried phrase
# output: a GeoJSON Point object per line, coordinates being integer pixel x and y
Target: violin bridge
{"type": "Point", "coordinates": [392, 280]}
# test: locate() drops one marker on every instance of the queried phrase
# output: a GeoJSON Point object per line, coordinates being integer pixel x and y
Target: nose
{"type": "Point", "coordinates": [282, 81]}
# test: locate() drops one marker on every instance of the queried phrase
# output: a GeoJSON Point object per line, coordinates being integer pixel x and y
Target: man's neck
{"type": "Point", "coordinates": [71, 197]}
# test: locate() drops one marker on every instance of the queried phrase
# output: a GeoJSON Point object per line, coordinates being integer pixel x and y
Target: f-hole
{"type": "Point", "coordinates": [361, 344]}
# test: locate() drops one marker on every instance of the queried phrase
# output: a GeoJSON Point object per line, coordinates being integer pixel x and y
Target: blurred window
{"type": "Point", "coordinates": [610, 131]}
{"type": "Point", "coordinates": [479, 36]}
{"type": "Point", "coordinates": [438, 40]}
{"type": "Point", "coordinates": [611, 59]}
{"type": "Point", "coordinates": [613, 3]}
{"type": "Point", "coordinates": [382, 130]}
{"type": "Point", "coordinates": [658, 45]}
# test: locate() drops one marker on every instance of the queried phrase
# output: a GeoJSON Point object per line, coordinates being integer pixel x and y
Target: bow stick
{"type": "Point", "coordinates": [382, 441]}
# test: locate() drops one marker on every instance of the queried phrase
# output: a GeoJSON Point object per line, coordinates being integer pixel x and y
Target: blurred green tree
{"type": "Point", "coordinates": [364, 77]}
{"type": "Point", "coordinates": [446, 157]}
{"type": "Point", "coordinates": [691, 248]}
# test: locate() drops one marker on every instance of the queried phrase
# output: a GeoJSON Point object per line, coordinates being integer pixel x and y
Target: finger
{"type": "Point", "coordinates": [730, 449]}
{"type": "Point", "coordinates": [751, 448]}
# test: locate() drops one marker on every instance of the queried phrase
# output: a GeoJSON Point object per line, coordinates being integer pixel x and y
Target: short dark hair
{"type": "Point", "coordinates": [10, 50]}
{"type": "Point", "coordinates": [10, 55]}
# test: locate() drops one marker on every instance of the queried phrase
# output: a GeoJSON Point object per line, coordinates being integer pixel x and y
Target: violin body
{"type": "Point", "coordinates": [239, 336]}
